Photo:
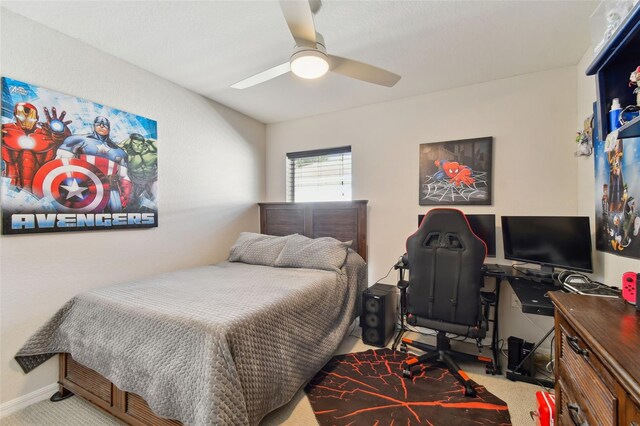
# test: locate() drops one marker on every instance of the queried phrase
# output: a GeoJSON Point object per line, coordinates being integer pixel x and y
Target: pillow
{"type": "Point", "coordinates": [314, 253]}
{"type": "Point", "coordinates": [257, 249]}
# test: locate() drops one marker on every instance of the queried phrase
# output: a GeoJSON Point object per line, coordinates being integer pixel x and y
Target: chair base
{"type": "Point", "coordinates": [441, 353]}
{"type": "Point", "coordinates": [492, 366]}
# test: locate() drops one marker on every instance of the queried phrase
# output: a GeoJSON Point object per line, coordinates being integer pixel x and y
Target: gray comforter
{"type": "Point", "coordinates": [222, 344]}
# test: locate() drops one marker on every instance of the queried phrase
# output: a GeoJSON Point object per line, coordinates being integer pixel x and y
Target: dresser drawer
{"type": "Point", "coordinates": [569, 411]}
{"type": "Point", "coordinates": [597, 369]}
{"type": "Point", "coordinates": [584, 381]}
{"type": "Point", "coordinates": [632, 413]}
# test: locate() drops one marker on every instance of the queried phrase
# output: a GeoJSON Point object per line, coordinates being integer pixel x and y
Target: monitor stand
{"type": "Point", "coordinates": [545, 271]}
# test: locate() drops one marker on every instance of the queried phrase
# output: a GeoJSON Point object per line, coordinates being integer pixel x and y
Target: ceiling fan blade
{"type": "Point", "coordinates": [299, 18]}
{"type": "Point", "coordinates": [315, 6]}
{"type": "Point", "coordinates": [362, 71]}
{"type": "Point", "coordinates": [263, 76]}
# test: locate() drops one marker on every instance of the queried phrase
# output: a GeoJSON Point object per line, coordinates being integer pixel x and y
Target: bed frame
{"type": "Point", "coordinates": [342, 220]}
{"type": "Point", "coordinates": [346, 221]}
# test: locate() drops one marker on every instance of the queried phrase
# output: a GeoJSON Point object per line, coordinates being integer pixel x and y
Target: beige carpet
{"type": "Point", "coordinates": [520, 397]}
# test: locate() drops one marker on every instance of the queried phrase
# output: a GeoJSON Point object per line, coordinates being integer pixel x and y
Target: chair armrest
{"type": "Point", "coordinates": [403, 263]}
{"type": "Point", "coordinates": [488, 297]}
{"type": "Point", "coordinates": [403, 284]}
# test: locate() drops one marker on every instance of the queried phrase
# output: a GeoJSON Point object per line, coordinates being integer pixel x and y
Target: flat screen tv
{"type": "Point", "coordinates": [549, 241]}
{"type": "Point", "coordinates": [484, 226]}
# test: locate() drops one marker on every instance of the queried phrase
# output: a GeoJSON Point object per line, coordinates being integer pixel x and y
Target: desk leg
{"type": "Point", "coordinates": [399, 335]}
{"type": "Point", "coordinates": [494, 340]}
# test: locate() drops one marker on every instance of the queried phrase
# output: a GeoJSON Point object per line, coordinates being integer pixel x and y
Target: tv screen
{"type": "Point", "coordinates": [484, 226]}
{"type": "Point", "coordinates": [550, 241]}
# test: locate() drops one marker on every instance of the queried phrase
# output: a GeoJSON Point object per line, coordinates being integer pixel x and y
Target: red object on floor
{"type": "Point", "coordinates": [546, 409]}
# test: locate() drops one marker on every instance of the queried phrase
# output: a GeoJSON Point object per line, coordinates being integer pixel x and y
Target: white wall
{"type": "Point", "coordinates": [211, 169]}
{"type": "Point", "coordinates": [609, 267]}
{"type": "Point", "coordinates": [532, 119]}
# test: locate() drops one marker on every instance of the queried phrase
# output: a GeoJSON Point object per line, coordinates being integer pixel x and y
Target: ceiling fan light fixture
{"type": "Point", "coordinates": [309, 64]}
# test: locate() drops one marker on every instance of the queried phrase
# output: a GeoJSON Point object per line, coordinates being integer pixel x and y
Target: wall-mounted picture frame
{"type": "Point", "coordinates": [457, 172]}
{"type": "Point", "coordinates": [69, 164]}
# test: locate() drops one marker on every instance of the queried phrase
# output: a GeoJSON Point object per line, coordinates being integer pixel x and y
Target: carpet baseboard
{"type": "Point", "coordinates": [24, 401]}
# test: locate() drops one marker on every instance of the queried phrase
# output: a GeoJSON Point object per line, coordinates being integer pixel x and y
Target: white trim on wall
{"type": "Point", "coordinates": [24, 401]}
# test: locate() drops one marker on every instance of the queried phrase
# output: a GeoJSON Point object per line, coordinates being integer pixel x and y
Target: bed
{"type": "Point", "coordinates": [219, 344]}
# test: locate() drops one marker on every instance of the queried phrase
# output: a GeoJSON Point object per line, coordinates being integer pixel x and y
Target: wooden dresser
{"type": "Point", "coordinates": [597, 361]}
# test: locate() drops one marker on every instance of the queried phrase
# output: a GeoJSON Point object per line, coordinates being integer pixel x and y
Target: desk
{"type": "Point", "coordinates": [534, 299]}
{"type": "Point", "coordinates": [533, 295]}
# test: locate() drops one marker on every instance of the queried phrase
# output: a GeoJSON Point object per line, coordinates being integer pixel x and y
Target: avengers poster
{"type": "Point", "coordinates": [617, 168]}
{"type": "Point", "coordinates": [69, 164]}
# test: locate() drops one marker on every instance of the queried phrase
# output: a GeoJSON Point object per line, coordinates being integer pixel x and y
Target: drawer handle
{"type": "Point", "coordinates": [573, 343]}
{"type": "Point", "coordinates": [574, 413]}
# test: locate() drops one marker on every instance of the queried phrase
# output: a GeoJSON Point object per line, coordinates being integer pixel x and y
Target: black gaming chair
{"type": "Point", "coordinates": [445, 260]}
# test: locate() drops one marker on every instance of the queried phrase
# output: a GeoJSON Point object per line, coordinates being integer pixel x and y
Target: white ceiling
{"type": "Point", "coordinates": [206, 46]}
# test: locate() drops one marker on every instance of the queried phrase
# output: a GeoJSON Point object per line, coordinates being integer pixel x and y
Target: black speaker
{"type": "Point", "coordinates": [379, 311]}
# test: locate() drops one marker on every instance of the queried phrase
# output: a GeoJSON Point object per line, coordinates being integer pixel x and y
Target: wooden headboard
{"type": "Point", "coordinates": [342, 220]}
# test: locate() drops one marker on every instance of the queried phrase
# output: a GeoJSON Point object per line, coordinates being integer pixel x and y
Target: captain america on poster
{"type": "Point", "coordinates": [69, 164]}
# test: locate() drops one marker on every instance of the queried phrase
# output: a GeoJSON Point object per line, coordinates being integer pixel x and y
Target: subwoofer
{"type": "Point", "coordinates": [379, 312]}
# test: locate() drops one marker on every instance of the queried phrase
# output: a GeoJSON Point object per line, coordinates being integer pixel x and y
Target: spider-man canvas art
{"type": "Point", "coordinates": [456, 172]}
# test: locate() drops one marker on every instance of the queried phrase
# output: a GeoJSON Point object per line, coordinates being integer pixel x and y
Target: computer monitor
{"type": "Point", "coordinates": [549, 241]}
{"type": "Point", "coordinates": [484, 226]}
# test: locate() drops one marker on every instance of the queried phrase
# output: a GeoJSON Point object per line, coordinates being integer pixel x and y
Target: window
{"type": "Point", "coordinates": [320, 175]}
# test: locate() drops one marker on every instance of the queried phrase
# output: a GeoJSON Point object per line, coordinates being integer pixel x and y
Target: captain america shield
{"type": "Point", "coordinates": [72, 185]}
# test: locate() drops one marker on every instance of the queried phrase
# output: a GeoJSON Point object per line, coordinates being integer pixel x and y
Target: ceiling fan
{"type": "Point", "coordinates": [310, 59]}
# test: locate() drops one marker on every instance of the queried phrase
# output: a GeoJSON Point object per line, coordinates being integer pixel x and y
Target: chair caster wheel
{"type": "Point", "coordinates": [406, 373]}
{"type": "Point", "coordinates": [490, 369]}
{"type": "Point", "coordinates": [403, 348]}
{"type": "Point", "coordinates": [469, 391]}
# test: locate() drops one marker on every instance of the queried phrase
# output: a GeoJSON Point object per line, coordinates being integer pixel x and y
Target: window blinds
{"type": "Point", "coordinates": [319, 175]}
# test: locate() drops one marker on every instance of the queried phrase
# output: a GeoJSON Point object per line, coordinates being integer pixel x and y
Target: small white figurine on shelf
{"type": "Point", "coordinates": [584, 138]}
{"type": "Point", "coordinates": [612, 13]}
{"type": "Point", "coordinates": [634, 80]}
{"type": "Point", "coordinates": [614, 18]}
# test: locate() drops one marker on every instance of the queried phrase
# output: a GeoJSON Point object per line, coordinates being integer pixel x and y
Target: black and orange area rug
{"type": "Point", "coordinates": [367, 388]}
